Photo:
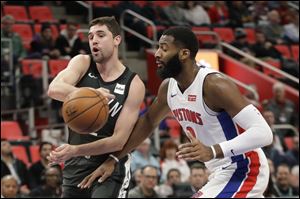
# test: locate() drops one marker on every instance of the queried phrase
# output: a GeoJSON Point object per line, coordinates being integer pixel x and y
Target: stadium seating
{"type": "Point", "coordinates": [295, 52]}
{"type": "Point", "coordinates": [32, 67]}
{"type": "Point", "coordinates": [18, 12]}
{"type": "Point", "coordinates": [57, 65]}
{"type": "Point", "coordinates": [19, 151]}
{"type": "Point", "coordinates": [25, 32]}
{"type": "Point", "coordinates": [284, 50]}
{"type": "Point", "coordinates": [37, 29]}
{"type": "Point", "coordinates": [204, 38]}
{"type": "Point", "coordinates": [34, 153]}
{"type": "Point", "coordinates": [11, 130]}
{"type": "Point", "coordinates": [271, 73]}
{"type": "Point", "coordinates": [226, 34]}
{"type": "Point", "coordinates": [251, 38]}
{"type": "Point", "coordinates": [41, 14]}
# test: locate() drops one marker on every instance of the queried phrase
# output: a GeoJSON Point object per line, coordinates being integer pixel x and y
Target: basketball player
{"type": "Point", "coordinates": [103, 71]}
{"type": "Point", "coordinates": [209, 108]}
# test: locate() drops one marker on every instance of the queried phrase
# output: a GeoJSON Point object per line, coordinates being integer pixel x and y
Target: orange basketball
{"type": "Point", "coordinates": [85, 110]}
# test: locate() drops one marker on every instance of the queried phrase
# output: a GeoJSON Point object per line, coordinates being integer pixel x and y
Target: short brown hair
{"type": "Point", "coordinates": [110, 22]}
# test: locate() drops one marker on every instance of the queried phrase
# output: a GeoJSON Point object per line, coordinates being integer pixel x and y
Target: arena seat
{"type": "Point", "coordinates": [11, 130]}
{"type": "Point", "coordinates": [19, 151]}
{"type": "Point", "coordinates": [174, 127]}
{"type": "Point", "coordinates": [251, 38]}
{"type": "Point", "coordinates": [226, 34]}
{"type": "Point", "coordinates": [25, 32]}
{"type": "Point", "coordinates": [32, 67]}
{"type": "Point", "coordinates": [284, 50]}
{"type": "Point", "coordinates": [204, 38]}
{"type": "Point", "coordinates": [276, 64]}
{"type": "Point", "coordinates": [57, 65]}
{"type": "Point", "coordinates": [295, 52]}
{"type": "Point", "coordinates": [37, 29]}
{"type": "Point", "coordinates": [41, 14]}
{"type": "Point", "coordinates": [18, 12]}
{"type": "Point", "coordinates": [34, 153]}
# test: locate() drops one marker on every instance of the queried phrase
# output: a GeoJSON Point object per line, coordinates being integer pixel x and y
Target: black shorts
{"type": "Point", "coordinates": [116, 186]}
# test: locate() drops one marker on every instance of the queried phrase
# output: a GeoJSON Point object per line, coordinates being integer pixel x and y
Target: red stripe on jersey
{"type": "Point", "coordinates": [251, 179]}
{"type": "Point", "coordinates": [192, 98]}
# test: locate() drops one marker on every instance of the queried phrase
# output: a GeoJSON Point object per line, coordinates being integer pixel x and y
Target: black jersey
{"type": "Point", "coordinates": [77, 168]}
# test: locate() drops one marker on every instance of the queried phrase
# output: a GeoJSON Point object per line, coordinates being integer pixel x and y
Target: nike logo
{"type": "Point", "coordinates": [92, 76]}
{"type": "Point", "coordinates": [226, 167]}
{"type": "Point", "coordinates": [173, 95]}
{"type": "Point", "coordinates": [232, 152]}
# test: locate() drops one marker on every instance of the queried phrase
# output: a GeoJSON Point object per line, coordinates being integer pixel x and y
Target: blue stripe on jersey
{"type": "Point", "coordinates": [236, 180]}
{"type": "Point", "coordinates": [227, 125]}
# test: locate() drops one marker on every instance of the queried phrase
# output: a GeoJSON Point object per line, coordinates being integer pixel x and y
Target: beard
{"type": "Point", "coordinates": [171, 69]}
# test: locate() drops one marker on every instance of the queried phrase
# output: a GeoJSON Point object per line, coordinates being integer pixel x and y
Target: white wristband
{"type": "Point", "coordinates": [214, 151]}
{"type": "Point", "coordinates": [114, 157]}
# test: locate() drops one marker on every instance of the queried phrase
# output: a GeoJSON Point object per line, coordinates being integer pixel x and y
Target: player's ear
{"type": "Point", "coordinates": [117, 40]}
{"type": "Point", "coordinates": [184, 53]}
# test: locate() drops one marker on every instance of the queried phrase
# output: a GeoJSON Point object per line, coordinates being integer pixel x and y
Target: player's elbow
{"type": "Point", "coordinates": [267, 136]}
{"type": "Point", "coordinates": [52, 91]}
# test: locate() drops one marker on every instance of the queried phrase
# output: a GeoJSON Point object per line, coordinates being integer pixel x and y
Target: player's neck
{"type": "Point", "coordinates": [187, 76]}
{"type": "Point", "coordinates": [110, 69]}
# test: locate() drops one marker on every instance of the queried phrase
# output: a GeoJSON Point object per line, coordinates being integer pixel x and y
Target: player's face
{"type": "Point", "coordinates": [102, 43]}
{"type": "Point", "coordinates": [167, 58]}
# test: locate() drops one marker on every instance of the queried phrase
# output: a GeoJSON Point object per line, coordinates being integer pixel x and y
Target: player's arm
{"type": "Point", "coordinates": [124, 124]}
{"type": "Point", "coordinates": [148, 122]}
{"type": "Point", "coordinates": [222, 94]}
{"type": "Point", "coordinates": [64, 83]}
{"type": "Point", "coordinates": [143, 129]}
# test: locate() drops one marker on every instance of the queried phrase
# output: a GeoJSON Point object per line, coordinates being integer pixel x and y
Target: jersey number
{"type": "Point", "coordinates": [191, 130]}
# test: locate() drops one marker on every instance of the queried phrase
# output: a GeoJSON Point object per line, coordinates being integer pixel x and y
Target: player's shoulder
{"type": "Point", "coordinates": [82, 58]}
{"type": "Point", "coordinates": [138, 83]}
{"type": "Point", "coordinates": [216, 82]}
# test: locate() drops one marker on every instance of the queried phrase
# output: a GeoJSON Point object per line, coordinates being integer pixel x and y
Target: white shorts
{"type": "Point", "coordinates": [246, 178]}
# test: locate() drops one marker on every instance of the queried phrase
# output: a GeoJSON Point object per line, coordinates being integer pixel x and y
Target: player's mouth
{"type": "Point", "coordinates": [95, 50]}
{"type": "Point", "coordinates": [159, 64]}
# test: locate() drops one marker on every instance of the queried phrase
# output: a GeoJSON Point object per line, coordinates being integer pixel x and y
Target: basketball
{"type": "Point", "coordinates": [85, 110]}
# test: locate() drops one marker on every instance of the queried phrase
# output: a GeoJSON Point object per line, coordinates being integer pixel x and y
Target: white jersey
{"type": "Point", "coordinates": [212, 128]}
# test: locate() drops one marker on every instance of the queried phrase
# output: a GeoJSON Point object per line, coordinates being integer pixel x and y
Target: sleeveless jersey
{"type": "Point", "coordinates": [206, 125]}
{"type": "Point", "coordinates": [77, 168]}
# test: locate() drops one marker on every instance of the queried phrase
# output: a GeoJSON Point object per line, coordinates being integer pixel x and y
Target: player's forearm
{"type": "Point", "coordinates": [99, 147]}
{"type": "Point", "coordinates": [257, 133]}
{"type": "Point", "coordinates": [141, 131]}
{"type": "Point", "coordinates": [60, 90]}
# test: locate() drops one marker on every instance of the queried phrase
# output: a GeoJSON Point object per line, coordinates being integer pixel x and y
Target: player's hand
{"type": "Point", "coordinates": [194, 150]}
{"type": "Point", "coordinates": [106, 93]}
{"type": "Point", "coordinates": [62, 153]}
{"type": "Point", "coordinates": [103, 171]}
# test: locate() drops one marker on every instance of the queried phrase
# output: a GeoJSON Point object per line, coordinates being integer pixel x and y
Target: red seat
{"type": "Point", "coordinates": [204, 38]}
{"type": "Point", "coordinates": [37, 29]}
{"type": "Point", "coordinates": [150, 30]}
{"type": "Point", "coordinates": [112, 3]}
{"type": "Point", "coordinates": [295, 52]}
{"type": "Point", "coordinates": [57, 65]}
{"type": "Point", "coordinates": [19, 152]}
{"type": "Point", "coordinates": [251, 38]}
{"type": "Point", "coordinates": [174, 127]}
{"type": "Point", "coordinates": [32, 67]}
{"type": "Point", "coordinates": [41, 14]}
{"type": "Point", "coordinates": [284, 50]}
{"type": "Point", "coordinates": [226, 34]}
{"type": "Point", "coordinates": [162, 3]}
{"type": "Point", "coordinates": [11, 130]}
{"type": "Point", "coordinates": [25, 32]}
{"type": "Point", "coordinates": [271, 73]}
{"type": "Point", "coordinates": [34, 153]}
{"type": "Point", "coordinates": [18, 12]}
